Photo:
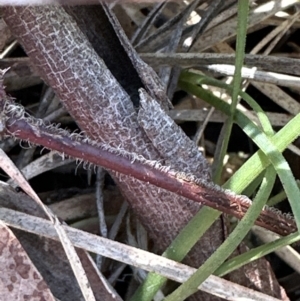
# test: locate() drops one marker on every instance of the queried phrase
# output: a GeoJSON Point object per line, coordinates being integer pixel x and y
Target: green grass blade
{"type": "Point", "coordinates": [243, 8]}
{"type": "Point", "coordinates": [256, 253]}
{"type": "Point", "coordinates": [230, 244]}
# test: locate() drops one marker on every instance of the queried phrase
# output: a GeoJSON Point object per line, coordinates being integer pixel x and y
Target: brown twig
{"type": "Point", "coordinates": [186, 185]}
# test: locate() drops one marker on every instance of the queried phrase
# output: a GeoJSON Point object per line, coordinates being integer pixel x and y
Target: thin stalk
{"type": "Point", "coordinates": [243, 9]}
{"type": "Point", "coordinates": [256, 253]}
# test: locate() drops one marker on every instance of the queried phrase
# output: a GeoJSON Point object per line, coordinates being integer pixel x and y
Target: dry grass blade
{"type": "Point", "coordinates": [256, 75]}
{"type": "Point", "coordinates": [187, 60]}
{"type": "Point", "coordinates": [8, 166]}
{"type": "Point", "coordinates": [132, 256]}
{"type": "Point", "coordinates": [42, 164]}
{"type": "Point", "coordinates": [227, 29]}
{"type": "Point", "coordinates": [277, 119]}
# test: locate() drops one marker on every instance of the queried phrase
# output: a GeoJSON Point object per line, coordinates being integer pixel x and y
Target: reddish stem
{"type": "Point", "coordinates": [148, 171]}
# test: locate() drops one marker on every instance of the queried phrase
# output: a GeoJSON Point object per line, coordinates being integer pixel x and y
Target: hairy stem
{"type": "Point", "coordinates": [186, 185]}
